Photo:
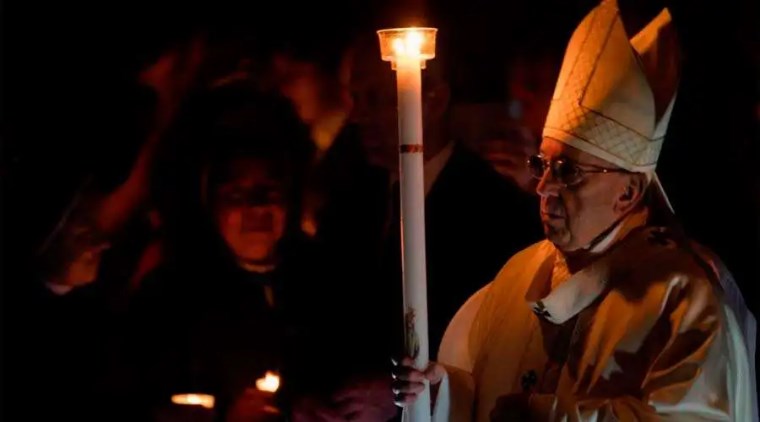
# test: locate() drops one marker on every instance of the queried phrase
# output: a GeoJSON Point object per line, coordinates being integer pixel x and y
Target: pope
{"type": "Point", "coordinates": [617, 315]}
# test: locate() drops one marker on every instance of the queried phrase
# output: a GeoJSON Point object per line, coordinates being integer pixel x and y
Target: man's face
{"type": "Point", "coordinates": [531, 85]}
{"type": "Point", "coordinates": [499, 140]}
{"type": "Point", "coordinates": [312, 91]}
{"type": "Point", "coordinates": [507, 152]}
{"type": "Point", "coordinates": [574, 216]}
{"type": "Point", "coordinates": [374, 112]}
{"type": "Point", "coordinates": [374, 109]}
{"type": "Point", "coordinates": [249, 210]}
{"type": "Point", "coordinates": [303, 85]}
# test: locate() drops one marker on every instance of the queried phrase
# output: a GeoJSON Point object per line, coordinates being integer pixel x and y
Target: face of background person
{"type": "Point", "coordinates": [498, 139]}
{"type": "Point", "coordinates": [321, 99]}
{"type": "Point", "coordinates": [373, 89]}
{"type": "Point", "coordinates": [249, 209]}
{"type": "Point", "coordinates": [374, 112]}
{"type": "Point", "coordinates": [530, 87]}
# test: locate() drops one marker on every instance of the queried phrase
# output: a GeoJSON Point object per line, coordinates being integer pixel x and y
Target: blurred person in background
{"type": "Point", "coordinates": [205, 320]}
{"type": "Point", "coordinates": [343, 211]}
{"type": "Point", "coordinates": [257, 292]}
{"type": "Point", "coordinates": [226, 304]}
{"type": "Point", "coordinates": [506, 134]}
{"type": "Point", "coordinates": [74, 285]}
{"type": "Point", "coordinates": [467, 203]}
{"type": "Point", "coordinates": [498, 139]}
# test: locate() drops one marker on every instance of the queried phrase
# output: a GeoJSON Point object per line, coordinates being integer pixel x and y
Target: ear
{"type": "Point", "coordinates": [633, 192]}
{"type": "Point", "coordinates": [437, 100]}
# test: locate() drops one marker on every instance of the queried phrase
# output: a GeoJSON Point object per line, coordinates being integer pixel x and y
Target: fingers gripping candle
{"type": "Point", "coordinates": [407, 49]}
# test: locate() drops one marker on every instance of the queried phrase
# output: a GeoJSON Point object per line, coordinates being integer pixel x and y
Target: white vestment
{"type": "Point", "coordinates": [642, 333]}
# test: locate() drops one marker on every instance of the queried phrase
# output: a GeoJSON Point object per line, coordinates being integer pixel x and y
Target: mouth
{"type": "Point", "coordinates": [257, 225]}
{"type": "Point", "coordinates": [256, 229]}
{"type": "Point", "coordinates": [552, 209]}
{"type": "Point", "coordinates": [545, 215]}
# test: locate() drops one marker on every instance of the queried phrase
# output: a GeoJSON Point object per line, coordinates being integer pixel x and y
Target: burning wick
{"type": "Point", "coordinates": [410, 45]}
{"type": "Point", "coordinates": [413, 46]}
{"type": "Point", "coordinates": [270, 383]}
{"type": "Point", "coordinates": [204, 400]}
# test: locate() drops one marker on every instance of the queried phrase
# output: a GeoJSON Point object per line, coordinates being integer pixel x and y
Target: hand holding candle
{"type": "Point", "coordinates": [407, 49]}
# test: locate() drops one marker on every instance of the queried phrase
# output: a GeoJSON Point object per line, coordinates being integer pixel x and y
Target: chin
{"type": "Point", "coordinates": [558, 243]}
{"type": "Point", "coordinates": [567, 248]}
{"type": "Point", "coordinates": [560, 238]}
{"type": "Point", "coordinates": [257, 254]}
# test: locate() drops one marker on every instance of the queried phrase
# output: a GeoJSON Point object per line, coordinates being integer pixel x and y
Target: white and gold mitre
{"type": "Point", "coordinates": [614, 96]}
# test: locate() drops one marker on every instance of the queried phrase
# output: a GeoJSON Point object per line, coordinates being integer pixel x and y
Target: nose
{"type": "Point", "coordinates": [548, 185]}
{"type": "Point", "coordinates": [346, 99]}
{"type": "Point", "coordinates": [255, 212]}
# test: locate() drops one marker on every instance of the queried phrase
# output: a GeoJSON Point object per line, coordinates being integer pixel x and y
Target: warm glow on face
{"type": "Point", "coordinates": [270, 383]}
{"type": "Point", "coordinates": [204, 400]}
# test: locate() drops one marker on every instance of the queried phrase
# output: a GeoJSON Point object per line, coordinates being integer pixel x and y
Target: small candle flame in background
{"type": "Point", "coordinates": [192, 399]}
{"type": "Point", "coordinates": [269, 383]}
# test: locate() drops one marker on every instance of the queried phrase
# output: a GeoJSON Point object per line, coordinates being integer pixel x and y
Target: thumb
{"type": "Point", "coordinates": [435, 373]}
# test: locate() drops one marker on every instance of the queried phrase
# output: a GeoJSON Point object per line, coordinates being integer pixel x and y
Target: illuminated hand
{"type": "Point", "coordinates": [409, 382]}
{"type": "Point", "coordinates": [172, 76]}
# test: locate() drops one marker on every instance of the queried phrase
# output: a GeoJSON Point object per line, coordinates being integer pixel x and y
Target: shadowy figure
{"type": "Point", "coordinates": [474, 217]}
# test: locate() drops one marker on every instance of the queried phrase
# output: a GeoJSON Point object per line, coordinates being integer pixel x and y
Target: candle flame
{"type": "Point", "coordinates": [416, 44]}
{"type": "Point", "coordinates": [270, 382]}
{"type": "Point", "coordinates": [410, 45]}
{"type": "Point", "coordinates": [204, 400]}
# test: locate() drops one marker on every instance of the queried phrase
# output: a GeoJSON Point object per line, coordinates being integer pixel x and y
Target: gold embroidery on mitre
{"type": "Point", "coordinates": [603, 103]}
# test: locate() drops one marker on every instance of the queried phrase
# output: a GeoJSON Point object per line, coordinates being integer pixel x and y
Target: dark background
{"type": "Point", "coordinates": [71, 105]}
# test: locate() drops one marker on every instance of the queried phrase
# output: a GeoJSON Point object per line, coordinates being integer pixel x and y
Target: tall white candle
{"type": "Point", "coordinates": [408, 49]}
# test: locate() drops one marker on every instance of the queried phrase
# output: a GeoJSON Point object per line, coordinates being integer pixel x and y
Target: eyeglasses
{"type": "Point", "coordinates": [565, 171]}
